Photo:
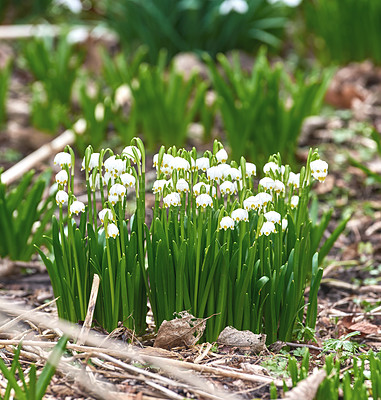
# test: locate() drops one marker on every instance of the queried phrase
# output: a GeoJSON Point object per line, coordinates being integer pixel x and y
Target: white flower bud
{"type": "Point", "coordinates": [155, 160]}
{"type": "Point", "coordinates": [294, 180]}
{"type": "Point", "coordinates": [80, 126]}
{"type": "Point", "coordinates": [123, 95]}
{"type": "Point", "coordinates": [226, 223]}
{"type": "Point", "coordinates": [182, 186]}
{"type": "Point", "coordinates": [61, 198]}
{"type": "Point", "coordinates": [273, 216]}
{"type": "Point", "coordinates": [99, 112]}
{"type": "Point", "coordinates": [61, 177]}
{"type": "Point", "coordinates": [77, 207]}
{"type": "Point", "coordinates": [222, 156]}
{"type": "Point", "coordinates": [267, 228]}
{"type": "Point", "coordinates": [94, 182]}
{"type": "Point", "coordinates": [240, 215]}
{"type": "Point", "coordinates": [204, 200]}
{"type": "Point", "coordinates": [62, 159]}
{"type": "Point", "coordinates": [284, 224]}
{"type": "Point", "coordinates": [112, 231]}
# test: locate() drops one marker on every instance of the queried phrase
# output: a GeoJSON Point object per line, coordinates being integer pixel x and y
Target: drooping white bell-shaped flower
{"type": "Point", "coordinates": [294, 180]}
{"type": "Point", "coordinates": [159, 185]}
{"type": "Point", "coordinates": [251, 169]}
{"type": "Point", "coordinates": [273, 216]}
{"type": "Point", "coordinates": [250, 203]}
{"type": "Point", "coordinates": [279, 186]}
{"type": "Point", "coordinates": [76, 207]}
{"type": "Point", "coordinates": [80, 126]}
{"type": "Point", "coordinates": [294, 201]}
{"type": "Point", "coordinates": [182, 186]}
{"type": "Point", "coordinates": [127, 179]}
{"type": "Point", "coordinates": [117, 190]}
{"type": "Point", "coordinates": [113, 199]}
{"type": "Point", "coordinates": [128, 151]}
{"type": "Point", "coordinates": [99, 112]}
{"type": "Point", "coordinates": [172, 199]}
{"type": "Point", "coordinates": [62, 159]}
{"type": "Point", "coordinates": [238, 6]}
{"type": "Point", "coordinates": [284, 224]}
{"type": "Point", "coordinates": [240, 214]}
{"type": "Point", "coordinates": [112, 231]}
{"type": "Point", "coordinates": [102, 215]}
{"type": "Point", "coordinates": [204, 200]}
{"type": "Point", "coordinates": [61, 198]}
{"type": "Point", "coordinates": [319, 169]}
{"type": "Point", "coordinates": [93, 163]}
{"type": "Point", "coordinates": [267, 183]}
{"type": "Point", "coordinates": [197, 188]}
{"type": "Point", "coordinates": [203, 163]}
{"type": "Point", "coordinates": [123, 95]}
{"type": "Point", "coordinates": [271, 166]}
{"type": "Point", "coordinates": [226, 223]}
{"type": "Point", "coordinates": [267, 228]}
{"type": "Point", "coordinates": [222, 156]}
{"type": "Point", "coordinates": [61, 177]}
{"type": "Point", "coordinates": [263, 199]}
{"type": "Point", "coordinates": [226, 187]}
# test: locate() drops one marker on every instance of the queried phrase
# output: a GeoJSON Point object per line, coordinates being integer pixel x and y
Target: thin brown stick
{"type": "Point", "coordinates": [45, 151]}
{"type": "Point", "coordinates": [90, 311]}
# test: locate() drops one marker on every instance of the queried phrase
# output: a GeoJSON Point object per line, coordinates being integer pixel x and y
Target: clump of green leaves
{"type": "Point", "coordinates": [345, 31]}
{"type": "Point", "coordinates": [31, 388]}
{"type": "Point", "coordinates": [24, 216]}
{"type": "Point", "coordinates": [263, 112]}
{"type": "Point", "coordinates": [196, 25]}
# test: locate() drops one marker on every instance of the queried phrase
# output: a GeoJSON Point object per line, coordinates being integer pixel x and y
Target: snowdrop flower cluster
{"type": "Point", "coordinates": [210, 181]}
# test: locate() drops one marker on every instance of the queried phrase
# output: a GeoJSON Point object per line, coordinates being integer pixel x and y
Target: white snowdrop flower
{"type": "Point", "coordinates": [223, 171]}
{"type": "Point", "coordinates": [62, 159]}
{"type": "Point", "coordinates": [93, 163]}
{"type": "Point", "coordinates": [77, 207]}
{"type": "Point", "coordinates": [284, 224]}
{"type": "Point", "coordinates": [102, 215]}
{"type": "Point", "coordinates": [234, 173]}
{"type": "Point", "coordinates": [239, 6]}
{"type": "Point", "coordinates": [294, 180]}
{"type": "Point", "coordinates": [204, 200]}
{"type": "Point", "coordinates": [61, 198]}
{"type": "Point", "coordinates": [117, 190]}
{"type": "Point", "coordinates": [119, 167]}
{"type": "Point", "coordinates": [267, 183]}
{"type": "Point", "coordinates": [75, 6]}
{"type": "Point", "coordinates": [94, 182]}
{"type": "Point", "coordinates": [211, 190]}
{"type": "Point", "coordinates": [123, 95]}
{"type": "Point", "coordinates": [172, 199]}
{"type": "Point", "coordinates": [159, 185]}
{"type": "Point", "coordinates": [127, 151]}
{"type": "Point", "coordinates": [182, 186]}
{"type": "Point", "coordinates": [272, 216]}
{"type": "Point", "coordinates": [80, 126]}
{"type": "Point", "coordinates": [240, 214]}
{"type": "Point", "coordinates": [113, 199]}
{"type": "Point", "coordinates": [155, 160]}
{"type": "Point", "coordinates": [226, 187]}
{"type": "Point", "coordinates": [167, 161]}
{"type": "Point", "coordinates": [290, 3]}
{"type": "Point", "coordinates": [267, 228]}
{"type": "Point", "coordinates": [271, 166]}
{"type": "Point", "coordinates": [203, 163]}
{"type": "Point", "coordinates": [112, 231]}
{"type": "Point", "coordinates": [127, 179]}
{"type": "Point", "coordinates": [279, 186]}
{"type": "Point", "coordinates": [214, 174]}
{"type": "Point", "coordinates": [197, 188]}
{"type": "Point", "coordinates": [108, 164]}
{"type": "Point", "coordinates": [319, 170]}
{"type": "Point", "coordinates": [251, 169]}
{"type": "Point", "coordinates": [263, 199]}
{"type": "Point", "coordinates": [108, 178]}
{"type": "Point", "coordinates": [99, 112]}
{"type": "Point", "coordinates": [282, 169]}
{"type": "Point", "coordinates": [180, 163]}
{"type": "Point", "coordinates": [226, 223]}
{"type": "Point", "coordinates": [250, 203]}
{"type": "Point", "coordinates": [222, 156]}
{"type": "Point", "coordinates": [61, 177]}
{"type": "Point", "coordinates": [193, 164]}
{"type": "Point", "coordinates": [294, 202]}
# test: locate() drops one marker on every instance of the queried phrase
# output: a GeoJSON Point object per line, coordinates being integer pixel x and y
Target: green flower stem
{"type": "Point", "coordinates": [111, 276]}
{"type": "Point", "coordinates": [198, 257]}
{"type": "Point", "coordinates": [242, 233]}
{"type": "Point", "coordinates": [182, 215]}
{"type": "Point", "coordinates": [91, 219]}
{"type": "Point", "coordinates": [121, 230]}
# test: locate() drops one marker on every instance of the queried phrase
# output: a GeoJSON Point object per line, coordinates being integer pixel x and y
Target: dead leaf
{"type": "Point", "coordinates": [235, 338]}
{"type": "Point", "coordinates": [365, 328]}
{"type": "Point", "coordinates": [183, 331]}
{"type": "Point", "coordinates": [307, 388]}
